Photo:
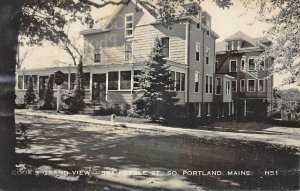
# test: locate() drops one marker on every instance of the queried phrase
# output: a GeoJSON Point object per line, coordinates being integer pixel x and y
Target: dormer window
{"type": "Point", "coordinates": [129, 25]}
{"type": "Point", "coordinates": [233, 45]}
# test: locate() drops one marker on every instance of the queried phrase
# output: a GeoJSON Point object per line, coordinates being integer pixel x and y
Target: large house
{"type": "Point", "coordinates": [252, 85]}
{"type": "Point", "coordinates": [114, 53]}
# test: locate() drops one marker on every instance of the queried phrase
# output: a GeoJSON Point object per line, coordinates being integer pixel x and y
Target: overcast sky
{"type": "Point", "coordinates": [225, 22]}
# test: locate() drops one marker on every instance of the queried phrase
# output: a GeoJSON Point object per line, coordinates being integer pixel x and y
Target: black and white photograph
{"type": "Point", "coordinates": [149, 95]}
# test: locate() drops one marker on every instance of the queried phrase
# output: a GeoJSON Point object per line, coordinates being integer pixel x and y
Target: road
{"type": "Point", "coordinates": [141, 159]}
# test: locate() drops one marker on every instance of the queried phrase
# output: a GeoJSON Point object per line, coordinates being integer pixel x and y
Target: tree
{"type": "Point", "coordinates": [31, 22]}
{"type": "Point", "coordinates": [49, 94]}
{"type": "Point", "coordinates": [75, 101]}
{"type": "Point", "coordinates": [29, 96]}
{"type": "Point", "coordinates": [287, 101]}
{"type": "Point", "coordinates": [156, 83]}
{"type": "Point", "coordinates": [284, 34]}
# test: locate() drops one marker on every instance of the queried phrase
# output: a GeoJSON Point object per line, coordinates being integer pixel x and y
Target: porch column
{"type": "Point", "coordinates": [91, 85]}
{"type": "Point", "coordinates": [245, 108]}
{"type": "Point", "coordinates": [38, 84]}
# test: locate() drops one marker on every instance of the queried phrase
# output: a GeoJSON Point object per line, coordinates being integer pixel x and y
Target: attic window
{"type": "Point", "coordinates": [129, 25]}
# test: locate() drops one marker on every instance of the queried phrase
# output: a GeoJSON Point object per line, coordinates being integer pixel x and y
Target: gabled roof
{"type": "Point", "coordinates": [242, 36]}
{"type": "Point", "coordinates": [256, 42]}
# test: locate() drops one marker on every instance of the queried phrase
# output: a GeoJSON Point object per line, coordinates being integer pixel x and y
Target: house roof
{"type": "Point", "coordinates": [256, 42]}
{"type": "Point", "coordinates": [242, 36]}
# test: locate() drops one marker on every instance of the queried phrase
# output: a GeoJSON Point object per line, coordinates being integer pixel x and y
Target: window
{"type": "Point", "coordinates": [128, 51]}
{"type": "Point", "coordinates": [196, 82]}
{"type": "Point", "coordinates": [251, 86]}
{"type": "Point", "coordinates": [206, 84]}
{"type": "Point", "coordinates": [197, 51]}
{"type": "Point", "coordinates": [242, 85]}
{"type": "Point", "coordinates": [129, 25]}
{"type": "Point", "coordinates": [179, 81]}
{"type": "Point", "coordinates": [232, 67]}
{"type": "Point", "coordinates": [210, 84]}
{"type": "Point", "coordinates": [207, 55]}
{"type": "Point", "coordinates": [86, 80]}
{"type": "Point", "coordinates": [113, 78]}
{"type": "Point", "coordinates": [227, 87]}
{"type": "Point", "coordinates": [125, 80]}
{"type": "Point", "coordinates": [34, 81]}
{"type": "Point", "coordinates": [173, 80]}
{"type": "Point", "coordinates": [261, 85]}
{"type": "Point", "coordinates": [166, 46]}
{"type": "Point", "coordinates": [182, 87]}
{"type": "Point", "coordinates": [233, 86]}
{"type": "Point", "coordinates": [243, 65]}
{"type": "Point", "coordinates": [97, 55]}
{"type": "Point", "coordinates": [218, 86]}
{"type": "Point", "coordinates": [20, 82]}
{"type": "Point", "coordinates": [251, 64]}
{"type": "Point", "coordinates": [262, 65]}
{"type": "Point", "coordinates": [198, 25]}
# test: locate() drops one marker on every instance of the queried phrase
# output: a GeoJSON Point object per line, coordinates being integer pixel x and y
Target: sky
{"type": "Point", "coordinates": [225, 22]}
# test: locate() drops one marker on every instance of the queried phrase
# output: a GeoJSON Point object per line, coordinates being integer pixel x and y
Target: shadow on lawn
{"type": "Point", "coordinates": [77, 146]}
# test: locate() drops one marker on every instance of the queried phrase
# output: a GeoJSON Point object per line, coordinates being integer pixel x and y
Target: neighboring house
{"type": "Point", "coordinates": [252, 85]}
{"type": "Point", "coordinates": [115, 53]}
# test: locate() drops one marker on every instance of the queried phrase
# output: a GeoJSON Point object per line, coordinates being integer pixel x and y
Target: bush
{"type": "Point", "coordinates": [48, 97]}
{"type": "Point", "coordinates": [72, 104]}
{"type": "Point", "coordinates": [29, 96]}
{"type": "Point", "coordinates": [108, 108]}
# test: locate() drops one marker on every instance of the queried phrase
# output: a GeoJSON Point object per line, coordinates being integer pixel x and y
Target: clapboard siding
{"type": "Point", "coordinates": [144, 34]}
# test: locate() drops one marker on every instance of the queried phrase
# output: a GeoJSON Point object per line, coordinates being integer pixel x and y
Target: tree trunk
{"type": "Point", "coordinates": [9, 28]}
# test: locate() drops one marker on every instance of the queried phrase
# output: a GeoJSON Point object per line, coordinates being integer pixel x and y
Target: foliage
{"type": "Point", "coordinates": [287, 100]}
{"type": "Point", "coordinates": [75, 100]}
{"type": "Point", "coordinates": [155, 82]}
{"type": "Point", "coordinates": [284, 34]}
{"type": "Point", "coordinates": [49, 94]}
{"type": "Point", "coordinates": [29, 96]}
{"type": "Point", "coordinates": [108, 108]}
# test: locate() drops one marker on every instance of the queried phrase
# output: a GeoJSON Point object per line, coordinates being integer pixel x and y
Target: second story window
{"type": "Point", "coordinates": [243, 65]}
{"type": "Point", "coordinates": [129, 25]}
{"type": "Point", "coordinates": [97, 55]}
{"type": "Point", "coordinates": [207, 56]}
{"type": "Point", "coordinates": [197, 51]}
{"type": "Point", "coordinates": [233, 66]}
{"type": "Point", "coordinates": [166, 46]}
{"type": "Point", "coordinates": [251, 64]}
{"type": "Point", "coordinates": [128, 51]}
{"type": "Point", "coordinates": [218, 86]}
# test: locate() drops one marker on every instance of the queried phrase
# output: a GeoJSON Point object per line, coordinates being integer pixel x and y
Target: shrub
{"type": "Point", "coordinates": [29, 96]}
{"type": "Point", "coordinates": [48, 96]}
{"type": "Point", "coordinates": [109, 108]}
